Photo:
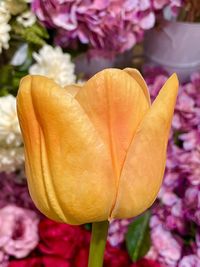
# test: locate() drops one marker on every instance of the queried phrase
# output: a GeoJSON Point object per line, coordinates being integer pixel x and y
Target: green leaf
{"type": "Point", "coordinates": [3, 91]}
{"type": "Point", "coordinates": [6, 74]}
{"type": "Point", "coordinates": [138, 237]}
{"type": "Point", "coordinates": [9, 80]}
{"type": "Point", "coordinates": [35, 34]}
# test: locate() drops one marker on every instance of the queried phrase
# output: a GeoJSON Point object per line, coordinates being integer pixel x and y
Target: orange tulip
{"type": "Point", "coordinates": [97, 151]}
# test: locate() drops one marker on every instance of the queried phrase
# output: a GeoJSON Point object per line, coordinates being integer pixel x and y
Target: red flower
{"type": "Point", "coordinates": [72, 243]}
{"type": "Point", "coordinates": [146, 263]}
{"type": "Point", "coordinates": [115, 257]}
{"type": "Point", "coordinates": [40, 262]}
{"type": "Point", "coordinates": [55, 261]}
{"type": "Point", "coordinates": [61, 240]}
{"type": "Point", "coordinates": [31, 262]}
{"type": "Point", "coordinates": [68, 246]}
{"type": "Point", "coordinates": [81, 259]}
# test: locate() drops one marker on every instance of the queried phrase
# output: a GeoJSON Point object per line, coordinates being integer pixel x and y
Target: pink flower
{"type": "Point", "coordinates": [185, 103]}
{"type": "Point", "coordinates": [14, 191]}
{"type": "Point", "coordinates": [3, 259]}
{"type": "Point", "coordinates": [117, 230]}
{"type": "Point", "coordinates": [178, 208]}
{"type": "Point", "coordinates": [167, 247]}
{"type": "Point", "coordinates": [113, 26]}
{"type": "Point", "coordinates": [175, 223]}
{"type": "Point", "coordinates": [189, 261]}
{"type": "Point", "coordinates": [18, 231]}
{"type": "Point", "coordinates": [190, 140]}
{"type": "Point", "coordinates": [159, 4]}
{"type": "Point", "coordinates": [191, 196]}
{"type": "Point", "coordinates": [169, 198]}
{"type": "Point", "coordinates": [148, 21]}
{"type": "Point", "coordinates": [195, 78]}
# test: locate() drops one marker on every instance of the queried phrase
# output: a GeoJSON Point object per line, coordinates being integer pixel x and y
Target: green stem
{"type": "Point", "coordinates": [98, 243]}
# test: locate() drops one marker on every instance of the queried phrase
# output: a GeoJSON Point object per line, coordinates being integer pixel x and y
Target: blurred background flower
{"type": "Point", "coordinates": [55, 64]}
{"type": "Point", "coordinates": [4, 27]}
{"type": "Point", "coordinates": [9, 126]}
{"type": "Point", "coordinates": [11, 151]}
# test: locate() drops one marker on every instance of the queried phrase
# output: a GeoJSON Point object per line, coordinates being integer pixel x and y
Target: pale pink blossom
{"type": "Point", "coordinates": [18, 231]}
{"type": "Point", "coordinates": [3, 259]}
{"type": "Point", "coordinates": [189, 261]}
{"type": "Point", "coordinates": [117, 230]}
{"type": "Point", "coordinates": [168, 248]}
{"type": "Point", "coordinates": [169, 198]}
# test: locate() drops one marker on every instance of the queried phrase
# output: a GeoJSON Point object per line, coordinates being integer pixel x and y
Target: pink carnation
{"type": "Point", "coordinates": [18, 231]}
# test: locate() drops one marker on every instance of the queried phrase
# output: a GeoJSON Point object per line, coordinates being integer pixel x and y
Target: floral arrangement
{"type": "Point", "coordinates": [28, 32]}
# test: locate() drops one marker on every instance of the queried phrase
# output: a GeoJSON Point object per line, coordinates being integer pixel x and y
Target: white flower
{"type": "Point", "coordinates": [27, 19]}
{"type": "Point", "coordinates": [10, 134]}
{"type": "Point", "coordinates": [4, 27]}
{"type": "Point", "coordinates": [11, 159]}
{"type": "Point", "coordinates": [55, 64]}
{"type": "Point", "coordinates": [11, 145]}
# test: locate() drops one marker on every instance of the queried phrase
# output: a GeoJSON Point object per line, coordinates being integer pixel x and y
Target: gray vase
{"type": "Point", "coordinates": [175, 46]}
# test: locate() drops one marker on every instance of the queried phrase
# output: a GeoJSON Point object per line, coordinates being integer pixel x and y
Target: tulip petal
{"type": "Point", "coordinates": [115, 104]}
{"type": "Point", "coordinates": [31, 134]}
{"type": "Point", "coordinates": [135, 74]}
{"type": "Point", "coordinates": [69, 167]}
{"type": "Point", "coordinates": [143, 169]}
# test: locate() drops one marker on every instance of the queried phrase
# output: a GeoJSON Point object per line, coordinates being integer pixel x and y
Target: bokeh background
{"type": "Point", "coordinates": [69, 41]}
